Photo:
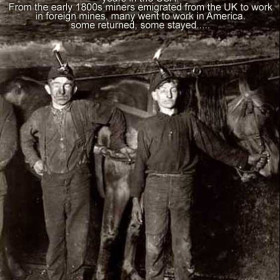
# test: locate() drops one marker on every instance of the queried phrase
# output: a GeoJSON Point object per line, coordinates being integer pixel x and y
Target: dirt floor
{"type": "Point", "coordinates": [38, 272]}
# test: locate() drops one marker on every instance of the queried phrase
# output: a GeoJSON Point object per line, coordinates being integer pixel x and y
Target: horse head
{"type": "Point", "coordinates": [250, 120]}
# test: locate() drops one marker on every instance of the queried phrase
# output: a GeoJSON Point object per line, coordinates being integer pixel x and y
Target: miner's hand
{"type": "Point", "coordinates": [137, 210]}
{"type": "Point", "coordinates": [128, 152]}
{"type": "Point", "coordinates": [39, 167]}
{"type": "Point", "coordinates": [258, 160]}
{"type": "Point", "coordinates": [100, 150]}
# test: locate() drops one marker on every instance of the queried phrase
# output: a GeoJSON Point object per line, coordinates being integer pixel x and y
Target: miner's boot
{"type": "Point", "coordinates": [14, 267]}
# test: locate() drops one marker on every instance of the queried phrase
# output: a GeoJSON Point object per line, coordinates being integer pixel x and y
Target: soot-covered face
{"type": "Point", "coordinates": [61, 90]}
{"type": "Point", "coordinates": [166, 95]}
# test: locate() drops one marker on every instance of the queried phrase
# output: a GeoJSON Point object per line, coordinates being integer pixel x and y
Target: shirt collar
{"type": "Point", "coordinates": [165, 116]}
{"type": "Point", "coordinates": [63, 110]}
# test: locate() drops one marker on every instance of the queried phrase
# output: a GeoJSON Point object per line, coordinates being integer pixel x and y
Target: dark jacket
{"type": "Point", "coordinates": [87, 117]}
{"type": "Point", "coordinates": [8, 139]}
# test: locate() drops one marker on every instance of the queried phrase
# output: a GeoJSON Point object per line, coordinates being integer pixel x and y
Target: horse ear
{"type": "Point", "coordinates": [243, 85]}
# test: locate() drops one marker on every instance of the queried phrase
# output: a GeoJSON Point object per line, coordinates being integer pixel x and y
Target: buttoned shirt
{"type": "Point", "coordinates": [61, 136]}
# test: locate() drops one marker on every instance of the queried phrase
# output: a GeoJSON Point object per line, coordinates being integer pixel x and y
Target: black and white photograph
{"type": "Point", "coordinates": [139, 140]}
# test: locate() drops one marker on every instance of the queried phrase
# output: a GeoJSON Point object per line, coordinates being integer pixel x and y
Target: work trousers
{"type": "Point", "coordinates": [167, 201]}
{"type": "Point", "coordinates": [66, 202]}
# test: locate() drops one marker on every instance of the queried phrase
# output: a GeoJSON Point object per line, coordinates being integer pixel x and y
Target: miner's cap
{"type": "Point", "coordinates": [63, 71]}
{"type": "Point", "coordinates": [163, 76]}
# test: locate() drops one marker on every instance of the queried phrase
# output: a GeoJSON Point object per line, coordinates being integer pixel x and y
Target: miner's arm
{"type": "Point", "coordinates": [107, 114]}
{"type": "Point", "coordinates": [142, 155]}
{"type": "Point", "coordinates": [29, 137]}
{"type": "Point", "coordinates": [213, 145]}
{"type": "Point", "coordinates": [139, 174]}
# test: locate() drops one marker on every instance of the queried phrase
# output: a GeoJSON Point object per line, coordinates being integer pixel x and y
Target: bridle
{"type": "Point", "coordinates": [118, 156]}
{"type": "Point", "coordinates": [246, 175]}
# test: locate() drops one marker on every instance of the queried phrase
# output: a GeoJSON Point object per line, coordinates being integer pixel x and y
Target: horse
{"type": "Point", "coordinates": [250, 120]}
{"type": "Point", "coordinates": [116, 176]}
{"type": "Point", "coordinates": [246, 120]}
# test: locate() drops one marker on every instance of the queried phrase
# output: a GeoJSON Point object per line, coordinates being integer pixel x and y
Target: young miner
{"type": "Point", "coordinates": [164, 170]}
{"type": "Point", "coordinates": [64, 132]}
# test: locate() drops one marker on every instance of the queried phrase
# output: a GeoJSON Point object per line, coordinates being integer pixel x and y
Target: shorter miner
{"type": "Point", "coordinates": [165, 167]}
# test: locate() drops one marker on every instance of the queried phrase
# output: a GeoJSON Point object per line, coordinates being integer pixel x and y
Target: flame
{"type": "Point", "coordinates": [57, 47]}
{"type": "Point", "coordinates": [157, 54]}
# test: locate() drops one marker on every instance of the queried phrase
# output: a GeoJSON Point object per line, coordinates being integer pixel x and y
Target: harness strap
{"type": "Point", "coordinates": [117, 156]}
{"type": "Point", "coordinates": [114, 155]}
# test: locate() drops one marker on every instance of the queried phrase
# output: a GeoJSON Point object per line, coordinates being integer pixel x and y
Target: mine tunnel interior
{"type": "Point", "coordinates": [235, 225]}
